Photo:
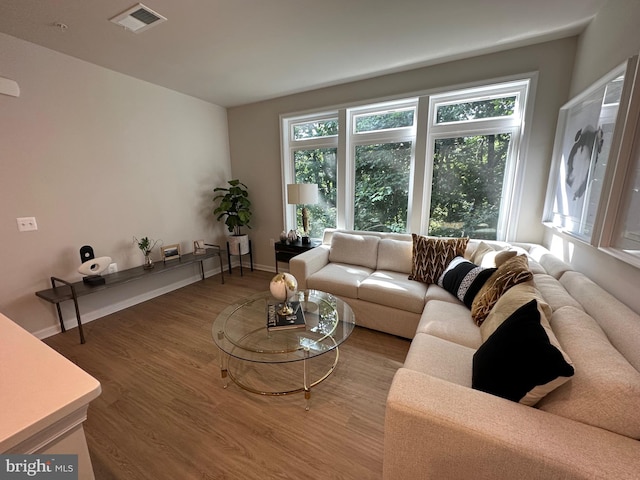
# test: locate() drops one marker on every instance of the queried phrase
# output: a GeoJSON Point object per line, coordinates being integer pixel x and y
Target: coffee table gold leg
{"type": "Point", "coordinates": [305, 380]}
{"type": "Point", "coordinates": [224, 369]}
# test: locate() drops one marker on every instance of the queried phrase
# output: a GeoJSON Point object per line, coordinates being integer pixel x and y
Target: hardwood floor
{"type": "Point", "coordinates": [164, 414]}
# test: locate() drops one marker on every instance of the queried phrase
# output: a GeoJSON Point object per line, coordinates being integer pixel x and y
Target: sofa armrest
{"type": "Point", "coordinates": [437, 429]}
{"type": "Point", "coordinates": [306, 264]}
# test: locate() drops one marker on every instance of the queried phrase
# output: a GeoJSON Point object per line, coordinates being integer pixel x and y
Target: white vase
{"type": "Point", "coordinates": [239, 244]}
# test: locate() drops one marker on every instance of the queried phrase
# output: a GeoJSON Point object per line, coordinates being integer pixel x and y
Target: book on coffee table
{"type": "Point", "coordinates": [277, 321]}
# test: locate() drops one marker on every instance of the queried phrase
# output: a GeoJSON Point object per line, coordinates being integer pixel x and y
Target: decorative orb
{"type": "Point", "coordinates": [283, 286]}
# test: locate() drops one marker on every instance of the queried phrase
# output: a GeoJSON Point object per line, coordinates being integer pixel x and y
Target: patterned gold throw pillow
{"type": "Point", "coordinates": [431, 256]}
{"type": "Point", "coordinates": [510, 273]}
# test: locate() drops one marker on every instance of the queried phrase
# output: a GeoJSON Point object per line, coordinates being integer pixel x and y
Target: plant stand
{"type": "Point", "coordinates": [229, 255]}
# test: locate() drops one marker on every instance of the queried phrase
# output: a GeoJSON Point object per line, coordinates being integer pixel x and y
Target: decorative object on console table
{"type": "Point", "coordinates": [286, 251]}
{"type": "Point", "coordinates": [146, 245]}
{"type": "Point", "coordinates": [92, 267]}
{"type": "Point", "coordinates": [170, 252]}
{"type": "Point", "coordinates": [303, 194]}
{"type": "Point", "coordinates": [199, 247]}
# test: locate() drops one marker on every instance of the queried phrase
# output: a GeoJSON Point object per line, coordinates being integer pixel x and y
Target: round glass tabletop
{"type": "Point", "coordinates": [241, 329]}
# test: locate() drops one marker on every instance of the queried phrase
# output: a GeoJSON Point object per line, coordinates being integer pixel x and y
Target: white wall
{"type": "Point", "coordinates": [255, 132]}
{"type": "Point", "coordinates": [98, 157]}
{"type": "Point", "coordinates": [610, 39]}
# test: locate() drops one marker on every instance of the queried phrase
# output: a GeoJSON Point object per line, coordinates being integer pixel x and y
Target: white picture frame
{"type": "Point", "coordinates": [586, 146]}
{"type": "Point", "coordinates": [620, 233]}
{"type": "Point", "coordinates": [199, 247]}
{"type": "Point", "coordinates": [170, 252]}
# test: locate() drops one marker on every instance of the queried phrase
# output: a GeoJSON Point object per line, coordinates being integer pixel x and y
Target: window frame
{"type": "Point", "coordinates": [422, 136]}
{"type": "Point", "coordinates": [513, 124]}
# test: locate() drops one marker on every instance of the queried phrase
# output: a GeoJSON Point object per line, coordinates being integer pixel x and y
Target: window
{"type": "Point", "coordinates": [474, 142]}
{"type": "Point", "coordinates": [442, 164]}
{"type": "Point", "coordinates": [312, 158]}
{"type": "Point", "coordinates": [382, 153]}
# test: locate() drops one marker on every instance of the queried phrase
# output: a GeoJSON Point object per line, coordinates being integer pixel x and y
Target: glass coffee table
{"type": "Point", "coordinates": [240, 332]}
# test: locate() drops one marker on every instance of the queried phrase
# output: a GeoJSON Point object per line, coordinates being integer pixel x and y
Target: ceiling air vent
{"type": "Point", "coordinates": [138, 18]}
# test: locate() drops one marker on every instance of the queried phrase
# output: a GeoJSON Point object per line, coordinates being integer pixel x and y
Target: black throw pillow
{"type": "Point", "coordinates": [464, 279]}
{"type": "Point", "coordinates": [518, 357]}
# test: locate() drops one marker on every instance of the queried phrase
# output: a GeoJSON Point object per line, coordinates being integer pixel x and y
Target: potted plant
{"type": "Point", "coordinates": [146, 245]}
{"type": "Point", "coordinates": [235, 208]}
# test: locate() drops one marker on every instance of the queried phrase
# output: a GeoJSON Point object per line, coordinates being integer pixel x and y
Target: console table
{"type": "Point", "coordinates": [286, 251]}
{"type": "Point", "coordinates": [71, 291]}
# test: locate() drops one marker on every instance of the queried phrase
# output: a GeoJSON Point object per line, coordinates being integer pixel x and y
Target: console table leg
{"type": "Point", "coordinates": [62, 327]}
{"type": "Point", "coordinates": [75, 303]}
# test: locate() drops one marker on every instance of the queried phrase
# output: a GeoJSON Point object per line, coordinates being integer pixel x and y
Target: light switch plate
{"type": "Point", "coordinates": [27, 224]}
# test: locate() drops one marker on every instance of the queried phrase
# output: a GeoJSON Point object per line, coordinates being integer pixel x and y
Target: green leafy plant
{"type": "Point", "coordinates": [234, 205]}
{"type": "Point", "coordinates": [145, 244]}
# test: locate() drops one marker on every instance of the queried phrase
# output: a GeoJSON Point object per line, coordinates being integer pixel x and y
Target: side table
{"type": "Point", "coordinates": [286, 251]}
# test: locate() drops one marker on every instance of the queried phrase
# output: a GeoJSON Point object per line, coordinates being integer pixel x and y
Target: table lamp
{"type": "Point", "coordinates": [303, 194]}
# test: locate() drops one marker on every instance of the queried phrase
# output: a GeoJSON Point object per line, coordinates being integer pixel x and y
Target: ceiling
{"type": "Point", "coordinates": [233, 52]}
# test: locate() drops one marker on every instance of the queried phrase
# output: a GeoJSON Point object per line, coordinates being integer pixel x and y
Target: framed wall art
{"type": "Point", "coordinates": [587, 142]}
{"type": "Point", "coordinates": [620, 234]}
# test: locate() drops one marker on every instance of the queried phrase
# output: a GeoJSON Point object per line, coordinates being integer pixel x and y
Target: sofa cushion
{"type": "Point", "coordinates": [432, 255]}
{"type": "Point", "coordinates": [393, 289]}
{"type": "Point", "coordinates": [619, 322]}
{"type": "Point", "coordinates": [510, 273]}
{"type": "Point", "coordinates": [395, 255]}
{"type": "Point", "coordinates": [450, 321]}
{"type": "Point", "coordinates": [440, 358]}
{"type": "Point", "coordinates": [522, 360]}
{"type": "Point", "coordinates": [464, 279]}
{"type": "Point", "coordinates": [436, 292]}
{"type": "Point", "coordinates": [514, 298]}
{"type": "Point", "coordinates": [354, 249]}
{"type": "Point", "coordinates": [605, 391]}
{"type": "Point", "coordinates": [339, 278]}
{"type": "Point", "coordinates": [554, 293]}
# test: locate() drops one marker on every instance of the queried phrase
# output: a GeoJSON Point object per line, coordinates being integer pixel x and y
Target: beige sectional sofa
{"type": "Point", "coordinates": [436, 425]}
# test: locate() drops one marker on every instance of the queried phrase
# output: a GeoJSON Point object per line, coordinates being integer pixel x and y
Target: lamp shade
{"type": "Point", "coordinates": [302, 193]}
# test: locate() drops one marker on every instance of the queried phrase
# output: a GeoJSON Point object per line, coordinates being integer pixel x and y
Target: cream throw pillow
{"type": "Point", "coordinates": [509, 302]}
{"type": "Point", "coordinates": [488, 257]}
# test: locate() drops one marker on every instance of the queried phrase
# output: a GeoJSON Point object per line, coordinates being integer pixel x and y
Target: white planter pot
{"type": "Point", "coordinates": [239, 244]}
